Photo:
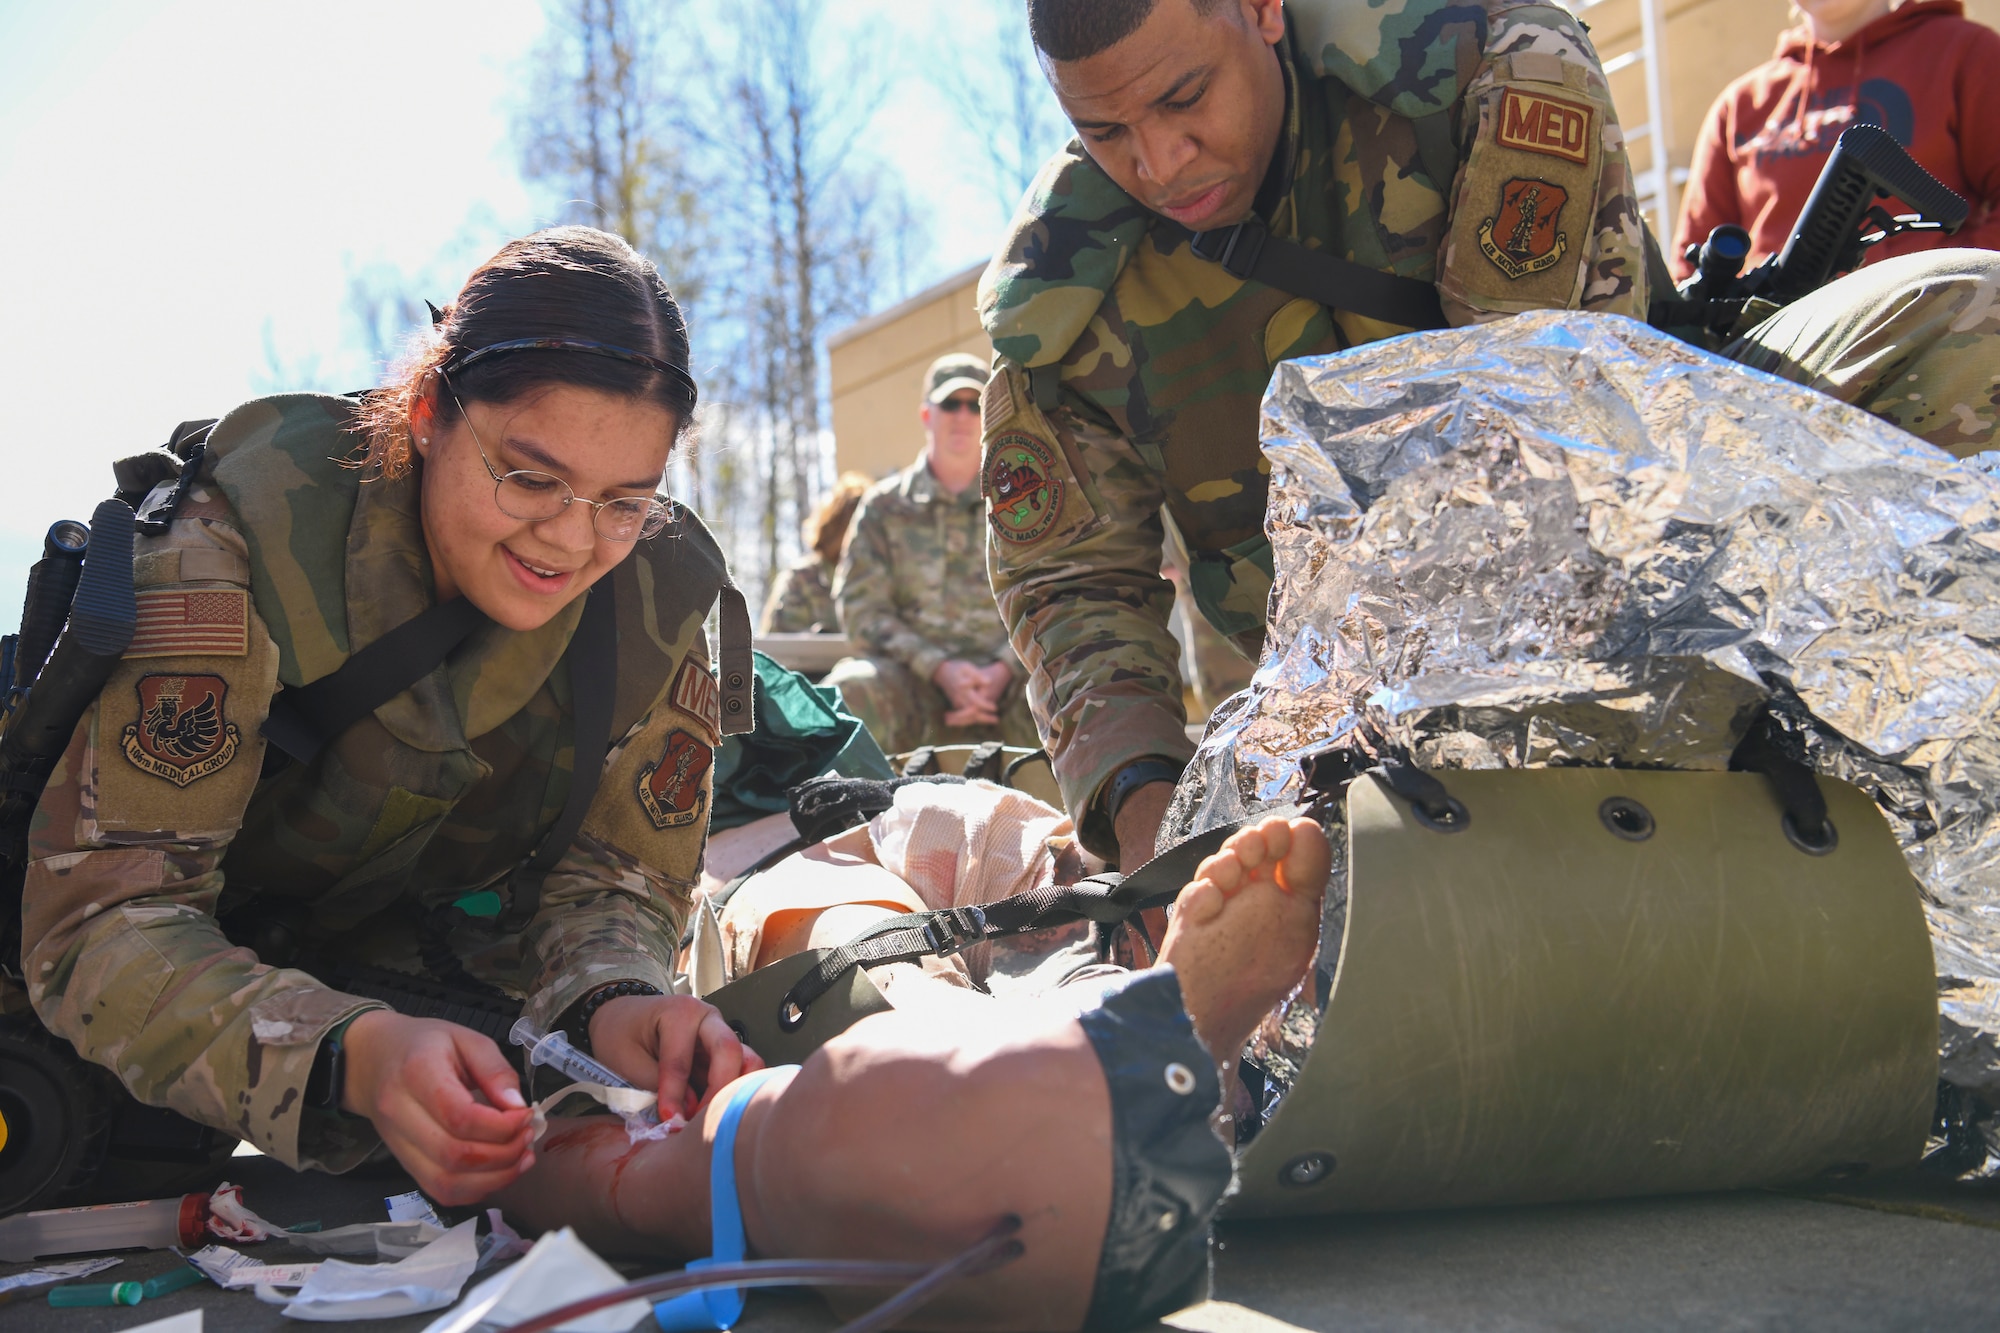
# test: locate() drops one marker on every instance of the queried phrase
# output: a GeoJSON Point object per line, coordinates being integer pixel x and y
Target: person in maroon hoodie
{"type": "Point", "coordinates": [1920, 70]}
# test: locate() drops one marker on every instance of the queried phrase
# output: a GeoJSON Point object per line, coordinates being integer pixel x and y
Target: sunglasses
{"type": "Point", "coordinates": [957, 405]}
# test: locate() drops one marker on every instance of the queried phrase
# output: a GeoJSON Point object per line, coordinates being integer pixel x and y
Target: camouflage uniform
{"type": "Point", "coordinates": [801, 601]}
{"type": "Point", "coordinates": [1130, 371]}
{"type": "Point", "coordinates": [280, 564]}
{"type": "Point", "coordinates": [912, 594]}
{"type": "Point", "coordinates": [1914, 339]}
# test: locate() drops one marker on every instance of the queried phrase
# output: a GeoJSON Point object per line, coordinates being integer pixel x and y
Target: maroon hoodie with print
{"type": "Point", "coordinates": [1923, 72]}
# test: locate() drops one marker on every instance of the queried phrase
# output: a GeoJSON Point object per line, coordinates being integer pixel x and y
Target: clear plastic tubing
{"type": "Point", "coordinates": [152, 1224]}
{"type": "Point", "coordinates": [553, 1049]}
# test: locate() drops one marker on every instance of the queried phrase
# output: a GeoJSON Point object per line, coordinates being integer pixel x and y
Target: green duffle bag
{"type": "Point", "coordinates": [1607, 982]}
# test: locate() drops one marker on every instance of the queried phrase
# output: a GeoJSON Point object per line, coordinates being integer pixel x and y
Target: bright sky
{"type": "Point", "coordinates": [185, 186]}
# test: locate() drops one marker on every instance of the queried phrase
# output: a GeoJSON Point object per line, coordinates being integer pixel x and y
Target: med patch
{"type": "Point", "coordinates": [183, 733]}
{"type": "Point", "coordinates": [697, 694]}
{"type": "Point", "coordinates": [671, 789]}
{"type": "Point", "coordinates": [1534, 122]}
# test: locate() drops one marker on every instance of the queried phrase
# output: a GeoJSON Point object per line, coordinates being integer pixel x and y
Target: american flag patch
{"type": "Point", "coordinates": [697, 694]}
{"type": "Point", "coordinates": [179, 624]}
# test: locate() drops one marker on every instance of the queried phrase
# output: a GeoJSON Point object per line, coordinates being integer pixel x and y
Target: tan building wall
{"type": "Point", "coordinates": [877, 367]}
{"type": "Point", "coordinates": [1707, 43]}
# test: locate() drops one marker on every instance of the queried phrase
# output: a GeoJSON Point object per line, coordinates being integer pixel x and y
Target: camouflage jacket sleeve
{"type": "Point", "coordinates": [1074, 552]}
{"type": "Point", "coordinates": [1544, 211]}
{"type": "Point", "coordinates": [613, 907]}
{"type": "Point", "coordinates": [864, 589]}
{"type": "Point", "coordinates": [121, 950]}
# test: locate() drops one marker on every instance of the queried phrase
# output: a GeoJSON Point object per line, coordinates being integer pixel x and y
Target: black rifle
{"type": "Point", "coordinates": [1842, 218]}
{"type": "Point", "coordinates": [85, 579]}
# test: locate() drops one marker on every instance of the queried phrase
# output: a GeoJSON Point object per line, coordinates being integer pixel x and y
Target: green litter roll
{"type": "Point", "coordinates": [1543, 1007]}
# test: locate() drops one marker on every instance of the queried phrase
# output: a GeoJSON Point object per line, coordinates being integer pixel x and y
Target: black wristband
{"type": "Point", "coordinates": [585, 1009]}
{"type": "Point", "coordinates": [326, 1083]}
{"type": "Point", "coordinates": [1137, 774]}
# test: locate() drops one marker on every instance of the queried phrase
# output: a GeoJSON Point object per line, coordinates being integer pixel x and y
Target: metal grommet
{"type": "Point", "coordinates": [790, 1016]}
{"type": "Point", "coordinates": [1302, 1172]}
{"type": "Point", "coordinates": [736, 680]}
{"type": "Point", "coordinates": [735, 705]}
{"type": "Point", "coordinates": [1451, 817]}
{"type": "Point", "coordinates": [1626, 818]}
{"type": "Point", "coordinates": [1820, 844]}
{"type": "Point", "coordinates": [1180, 1079]}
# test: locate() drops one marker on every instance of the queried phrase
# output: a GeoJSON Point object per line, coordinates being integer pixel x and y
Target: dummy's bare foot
{"type": "Point", "coordinates": [1245, 930]}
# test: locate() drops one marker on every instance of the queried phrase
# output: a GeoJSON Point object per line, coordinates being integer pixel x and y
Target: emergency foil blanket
{"type": "Point", "coordinates": [1570, 539]}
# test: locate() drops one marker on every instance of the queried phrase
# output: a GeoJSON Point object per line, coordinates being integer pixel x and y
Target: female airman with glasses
{"type": "Point", "coordinates": [194, 888]}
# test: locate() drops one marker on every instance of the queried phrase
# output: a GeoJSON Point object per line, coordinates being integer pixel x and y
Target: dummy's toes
{"type": "Point", "coordinates": [1224, 870]}
{"type": "Point", "coordinates": [1199, 903]}
{"type": "Point", "coordinates": [1307, 858]}
{"type": "Point", "coordinates": [1249, 847]}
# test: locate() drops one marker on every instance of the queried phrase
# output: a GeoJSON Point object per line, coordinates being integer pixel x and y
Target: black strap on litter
{"type": "Point", "coordinates": [1108, 899]}
{"type": "Point", "coordinates": [593, 685]}
{"type": "Point", "coordinates": [1763, 750]}
{"type": "Point", "coordinates": [984, 761]}
{"type": "Point", "coordinates": [306, 718]}
{"type": "Point", "coordinates": [1248, 250]}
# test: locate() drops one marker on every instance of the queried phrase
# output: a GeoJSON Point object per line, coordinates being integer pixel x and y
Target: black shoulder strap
{"type": "Point", "coordinates": [1248, 250]}
{"type": "Point", "coordinates": [1436, 151]}
{"type": "Point", "coordinates": [303, 719]}
{"type": "Point", "coordinates": [593, 683]}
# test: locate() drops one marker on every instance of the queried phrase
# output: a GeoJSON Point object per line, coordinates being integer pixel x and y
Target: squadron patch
{"type": "Point", "coordinates": [696, 693]}
{"type": "Point", "coordinates": [1021, 483]}
{"type": "Point", "coordinates": [1537, 123]}
{"type": "Point", "coordinates": [179, 622]}
{"type": "Point", "coordinates": [182, 734]}
{"type": "Point", "coordinates": [1522, 238]}
{"type": "Point", "coordinates": [670, 791]}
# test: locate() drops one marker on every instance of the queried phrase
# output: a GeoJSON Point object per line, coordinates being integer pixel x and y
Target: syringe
{"type": "Point", "coordinates": [553, 1049]}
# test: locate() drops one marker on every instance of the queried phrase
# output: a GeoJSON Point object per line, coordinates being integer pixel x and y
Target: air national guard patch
{"type": "Point", "coordinates": [1023, 487]}
{"type": "Point", "coordinates": [1522, 238]}
{"type": "Point", "coordinates": [182, 734]}
{"type": "Point", "coordinates": [670, 791]}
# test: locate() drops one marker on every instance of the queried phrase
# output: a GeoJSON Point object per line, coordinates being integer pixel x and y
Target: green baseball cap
{"type": "Point", "coordinates": [948, 374]}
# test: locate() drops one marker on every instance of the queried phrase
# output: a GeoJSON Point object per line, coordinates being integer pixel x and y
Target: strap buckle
{"type": "Point", "coordinates": [1235, 248]}
{"type": "Point", "coordinates": [961, 927]}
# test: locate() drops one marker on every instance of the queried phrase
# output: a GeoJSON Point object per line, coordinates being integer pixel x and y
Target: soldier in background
{"type": "Point", "coordinates": [913, 596]}
{"type": "Point", "coordinates": [801, 601]}
{"type": "Point", "coordinates": [1454, 162]}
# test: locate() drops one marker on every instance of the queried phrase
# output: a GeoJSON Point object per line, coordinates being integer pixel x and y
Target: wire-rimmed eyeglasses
{"type": "Point", "coordinates": [537, 497]}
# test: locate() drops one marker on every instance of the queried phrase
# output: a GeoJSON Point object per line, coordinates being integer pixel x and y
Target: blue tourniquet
{"type": "Point", "coordinates": [720, 1308]}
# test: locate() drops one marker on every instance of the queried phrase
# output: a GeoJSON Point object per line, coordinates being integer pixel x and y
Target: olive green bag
{"type": "Point", "coordinates": [1607, 982]}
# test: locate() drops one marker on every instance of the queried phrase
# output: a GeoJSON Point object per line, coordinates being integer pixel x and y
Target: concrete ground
{"type": "Point", "coordinates": [1904, 1253]}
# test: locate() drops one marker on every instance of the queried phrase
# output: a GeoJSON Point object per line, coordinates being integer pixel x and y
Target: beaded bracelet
{"type": "Point", "coordinates": [586, 1008]}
